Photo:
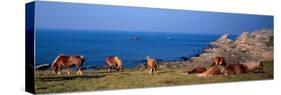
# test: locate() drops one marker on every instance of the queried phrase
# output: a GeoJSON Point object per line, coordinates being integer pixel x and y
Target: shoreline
{"type": "Point", "coordinates": [170, 73]}
{"type": "Point", "coordinates": [246, 45]}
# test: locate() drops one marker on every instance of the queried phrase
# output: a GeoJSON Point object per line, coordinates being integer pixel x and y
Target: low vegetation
{"type": "Point", "coordinates": [93, 80]}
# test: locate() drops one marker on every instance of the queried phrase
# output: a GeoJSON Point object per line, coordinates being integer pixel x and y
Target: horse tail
{"type": "Point", "coordinates": [82, 60]}
{"type": "Point", "coordinates": [118, 61]}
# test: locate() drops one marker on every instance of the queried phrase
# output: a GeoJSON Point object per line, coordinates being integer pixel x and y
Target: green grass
{"type": "Point", "coordinates": [93, 80]}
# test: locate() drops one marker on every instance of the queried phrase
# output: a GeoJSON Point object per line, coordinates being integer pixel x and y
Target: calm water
{"type": "Point", "coordinates": [95, 46]}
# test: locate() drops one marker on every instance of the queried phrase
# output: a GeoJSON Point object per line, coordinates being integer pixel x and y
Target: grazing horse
{"type": "Point", "coordinates": [67, 61]}
{"type": "Point", "coordinates": [218, 61]}
{"type": "Point", "coordinates": [113, 62]}
{"type": "Point", "coordinates": [151, 64]}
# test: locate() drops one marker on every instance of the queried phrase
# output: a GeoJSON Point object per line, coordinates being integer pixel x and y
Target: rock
{"type": "Point", "coordinates": [140, 67]}
{"type": "Point", "coordinates": [221, 41]}
{"type": "Point", "coordinates": [135, 38]}
{"type": "Point", "coordinates": [43, 67]}
{"type": "Point", "coordinates": [243, 38]}
{"type": "Point", "coordinates": [247, 47]}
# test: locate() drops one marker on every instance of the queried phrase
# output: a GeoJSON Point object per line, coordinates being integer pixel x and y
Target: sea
{"type": "Point", "coordinates": [131, 47]}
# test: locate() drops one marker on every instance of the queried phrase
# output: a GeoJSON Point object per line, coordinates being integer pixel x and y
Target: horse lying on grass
{"type": "Point", "coordinates": [218, 61]}
{"type": "Point", "coordinates": [197, 69]}
{"type": "Point", "coordinates": [67, 61]}
{"type": "Point", "coordinates": [220, 67]}
{"type": "Point", "coordinates": [233, 69]}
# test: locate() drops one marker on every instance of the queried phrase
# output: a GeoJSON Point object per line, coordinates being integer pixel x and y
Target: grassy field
{"type": "Point", "coordinates": [94, 80]}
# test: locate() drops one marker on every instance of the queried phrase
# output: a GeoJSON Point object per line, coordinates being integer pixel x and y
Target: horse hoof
{"type": "Point", "coordinates": [200, 75]}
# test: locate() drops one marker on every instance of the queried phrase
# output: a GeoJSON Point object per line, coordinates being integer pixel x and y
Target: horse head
{"type": "Point", "coordinates": [118, 62]}
{"type": "Point", "coordinates": [54, 66]}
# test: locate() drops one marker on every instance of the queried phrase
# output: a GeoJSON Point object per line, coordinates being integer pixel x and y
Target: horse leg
{"type": "Point", "coordinates": [117, 69]}
{"type": "Point", "coordinates": [68, 72]}
{"type": "Point", "coordinates": [109, 68]}
{"type": "Point", "coordinates": [154, 70]}
{"type": "Point", "coordinates": [80, 71]}
{"type": "Point", "coordinates": [59, 70]}
{"type": "Point", "coordinates": [151, 71]}
{"type": "Point", "coordinates": [55, 69]}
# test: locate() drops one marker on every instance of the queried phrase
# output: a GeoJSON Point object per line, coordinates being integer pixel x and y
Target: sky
{"type": "Point", "coordinates": [73, 16]}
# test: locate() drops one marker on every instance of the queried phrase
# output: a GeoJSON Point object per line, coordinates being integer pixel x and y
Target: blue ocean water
{"type": "Point", "coordinates": [96, 45]}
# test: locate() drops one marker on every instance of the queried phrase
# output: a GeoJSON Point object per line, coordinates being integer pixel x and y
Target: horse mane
{"type": "Point", "coordinates": [56, 59]}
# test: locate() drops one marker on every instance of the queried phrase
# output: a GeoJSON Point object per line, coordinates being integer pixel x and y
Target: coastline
{"type": "Point", "coordinates": [170, 73]}
{"type": "Point", "coordinates": [219, 47]}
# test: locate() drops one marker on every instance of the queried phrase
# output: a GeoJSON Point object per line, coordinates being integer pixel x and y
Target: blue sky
{"type": "Point", "coordinates": [52, 15]}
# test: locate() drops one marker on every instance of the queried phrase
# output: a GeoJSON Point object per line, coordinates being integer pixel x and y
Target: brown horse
{"type": "Point", "coordinates": [256, 67]}
{"type": "Point", "coordinates": [218, 61]}
{"type": "Point", "coordinates": [213, 70]}
{"type": "Point", "coordinates": [67, 61]}
{"type": "Point", "coordinates": [234, 69]}
{"type": "Point", "coordinates": [197, 69]}
{"type": "Point", "coordinates": [151, 64]}
{"type": "Point", "coordinates": [216, 68]}
{"type": "Point", "coordinates": [220, 67]}
{"type": "Point", "coordinates": [114, 62]}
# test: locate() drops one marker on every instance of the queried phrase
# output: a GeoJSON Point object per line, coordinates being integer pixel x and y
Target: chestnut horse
{"type": "Point", "coordinates": [151, 64]}
{"type": "Point", "coordinates": [220, 67]}
{"type": "Point", "coordinates": [216, 68]}
{"type": "Point", "coordinates": [218, 61]}
{"type": "Point", "coordinates": [67, 61]}
{"type": "Point", "coordinates": [235, 69]}
{"type": "Point", "coordinates": [256, 67]}
{"type": "Point", "coordinates": [114, 62]}
{"type": "Point", "coordinates": [197, 69]}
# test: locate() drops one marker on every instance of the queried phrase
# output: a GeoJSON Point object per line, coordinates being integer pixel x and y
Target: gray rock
{"type": "Point", "coordinates": [43, 67]}
{"type": "Point", "coordinates": [247, 47]}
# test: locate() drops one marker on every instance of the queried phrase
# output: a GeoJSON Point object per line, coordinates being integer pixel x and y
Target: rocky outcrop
{"type": "Point", "coordinates": [223, 41]}
{"type": "Point", "coordinates": [43, 67]}
{"type": "Point", "coordinates": [247, 47]}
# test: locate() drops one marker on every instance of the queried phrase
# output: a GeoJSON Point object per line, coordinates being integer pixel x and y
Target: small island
{"type": "Point", "coordinates": [135, 38]}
